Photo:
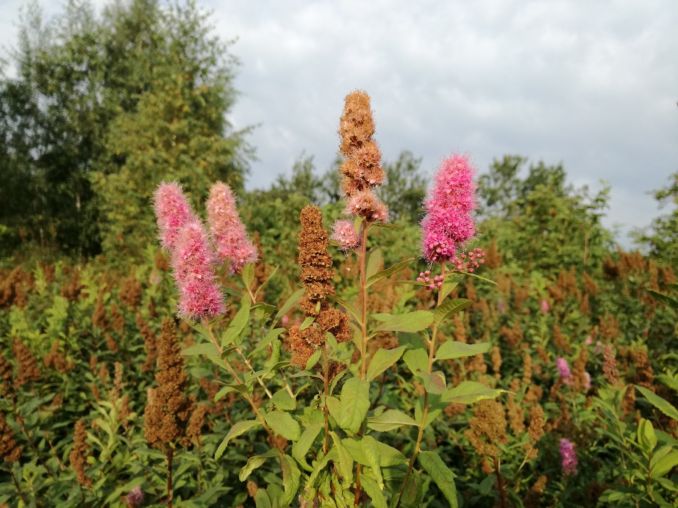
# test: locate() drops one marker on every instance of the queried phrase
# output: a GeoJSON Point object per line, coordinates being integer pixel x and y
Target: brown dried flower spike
{"type": "Point", "coordinates": [78, 455]}
{"type": "Point", "coordinates": [316, 274]}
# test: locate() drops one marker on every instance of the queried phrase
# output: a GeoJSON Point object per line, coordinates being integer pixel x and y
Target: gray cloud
{"type": "Point", "coordinates": [590, 84]}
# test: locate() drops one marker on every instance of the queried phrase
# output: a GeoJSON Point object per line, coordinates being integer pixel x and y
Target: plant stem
{"type": "Point", "coordinates": [236, 377]}
{"type": "Point", "coordinates": [362, 268]}
{"type": "Point", "coordinates": [500, 484]}
{"type": "Point", "coordinates": [18, 488]}
{"type": "Point", "coordinates": [425, 410]}
{"type": "Point", "coordinates": [170, 456]}
{"type": "Point", "coordinates": [326, 389]}
{"type": "Point", "coordinates": [249, 366]}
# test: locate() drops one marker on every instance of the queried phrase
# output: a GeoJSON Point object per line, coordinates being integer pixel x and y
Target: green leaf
{"type": "Point", "coordinates": [237, 430]}
{"type": "Point", "coordinates": [283, 424]}
{"type": "Point", "coordinates": [389, 420]}
{"type": "Point", "coordinates": [434, 382]}
{"type": "Point", "coordinates": [308, 321]}
{"type": "Point", "coordinates": [247, 275]}
{"type": "Point", "coordinates": [375, 493]}
{"type": "Point", "coordinates": [663, 461]}
{"type": "Point", "coordinates": [663, 405]}
{"type": "Point", "coordinates": [441, 475]}
{"type": "Point", "coordinates": [303, 444]}
{"type": "Point", "coordinates": [371, 449]}
{"type": "Point", "coordinates": [468, 392]}
{"type": "Point", "coordinates": [355, 402]}
{"type": "Point", "coordinates": [238, 323]}
{"type": "Point", "coordinates": [291, 476]}
{"type": "Point", "coordinates": [382, 360]}
{"type": "Point", "coordinates": [410, 322]}
{"type": "Point", "coordinates": [289, 303]}
{"type": "Point", "coordinates": [646, 436]}
{"type": "Point", "coordinates": [451, 349]}
{"type": "Point", "coordinates": [388, 456]}
{"type": "Point", "coordinates": [313, 359]}
{"type": "Point", "coordinates": [449, 307]}
{"type": "Point", "coordinates": [283, 400]}
{"type": "Point", "coordinates": [417, 361]}
{"type": "Point", "coordinates": [343, 461]}
{"type": "Point", "coordinates": [202, 349]}
{"type": "Point", "coordinates": [268, 339]}
{"type": "Point", "coordinates": [449, 285]}
{"type": "Point", "coordinates": [375, 262]}
{"type": "Point", "coordinates": [253, 463]}
{"type": "Point", "coordinates": [389, 271]}
{"type": "Point", "coordinates": [261, 499]}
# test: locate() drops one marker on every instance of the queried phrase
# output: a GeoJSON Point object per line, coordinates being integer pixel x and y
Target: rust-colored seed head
{"type": "Point", "coordinates": [9, 450]}
{"type": "Point", "coordinates": [78, 455]}
{"type": "Point", "coordinates": [487, 428]}
{"type": "Point", "coordinates": [197, 422]}
{"type": "Point", "coordinates": [56, 360]}
{"type": "Point", "coordinates": [6, 372]}
{"type": "Point", "coordinates": [316, 274]}
{"type": "Point", "coordinates": [168, 408]}
{"type": "Point", "coordinates": [28, 365]}
{"type": "Point", "coordinates": [356, 125]}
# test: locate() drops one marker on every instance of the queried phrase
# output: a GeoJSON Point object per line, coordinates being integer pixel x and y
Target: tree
{"type": "Point", "coordinates": [107, 107]}
{"type": "Point", "coordinates": [662, 238]}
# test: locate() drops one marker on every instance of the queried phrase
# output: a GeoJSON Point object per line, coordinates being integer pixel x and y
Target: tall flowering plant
{"type": "Point", "coordinates": [342, 451]}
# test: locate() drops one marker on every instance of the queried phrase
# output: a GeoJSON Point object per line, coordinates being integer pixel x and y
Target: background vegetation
{"type": "Point", "coordinates": [102, 108]}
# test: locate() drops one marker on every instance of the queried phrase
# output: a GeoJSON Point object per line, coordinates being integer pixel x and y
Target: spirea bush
{"type": "Point", "coordinates": [207, 376]}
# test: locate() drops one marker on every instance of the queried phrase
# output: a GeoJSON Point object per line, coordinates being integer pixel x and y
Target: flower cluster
{"type": "Point", "coordinates": [568, 457]}
{"type": "Point", "coordinates": [564, 370]}
{"type": "Point", "coordinates": [345, 235]}
{"type": "Point", "coordinates": [468, 261]}
{"type": "Point", "coordinates": [228, 232]}
{"type": "Point", "coordinates": [448, 220]}
{"type": "Point", "coordinates": [361, 169]}
{"type": "Point", "coordinates": [431, 283]}
{"type": "Point", "coordinates": [193, 257]}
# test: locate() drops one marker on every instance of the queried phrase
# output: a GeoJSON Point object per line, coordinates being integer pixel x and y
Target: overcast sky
{"type": "Point", "coordinates": [593, 85]}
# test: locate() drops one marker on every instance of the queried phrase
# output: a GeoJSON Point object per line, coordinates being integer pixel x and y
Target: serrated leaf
{"type": "Point", "coordinates": [254, 463]}
{"type": "Point", "coordinates": [303, 444]}
{"type": "Point", "coordinates": [663, 405]}
{"type": "Point", "coordinates": [389, 271]}
{"type": "Point", "coordinates": [451, 350]}
{"type": "Point", "coordinates": [291, 476]}
{"type": "Point", "coordinates": [434, 382]}
{"type": "Point", "coordinates": [343, 461]}
{"type": "Point", "coordinates": [371, 449]}
{"type": "Point", "coordinates": [382, 360]}
{"type": "Point", "coordinates": [663, 461]}
{"type": "Point", "coordinates": [375, 493]}
{"type": "Point", "coordinates": [646, 436]}
{"type": "Point", "coordinates": [449, 307]}
{"type": "Point", "coordinates": [469, 392]}
{"type": "Point", "coordinates": [388, 456]}
{"type": "Point", "coordinates": [389, 420]}
{"type": "Point", "coordinates": [239, 322]}
{"type": "Point", "coordinates": [410, 322]}
{"type": "Point", "coordinates": [441, 475]}
{"type": "Point", "coordinates": [283, 424]}
{"type": "Point", "coordinates": [283, 400]}
{"type": "Point", "coordinates": [417, 361]}
{"type": "Point", "coordinates": [237, 430]}
{"type": "Point", "coordinates": [355, 402]}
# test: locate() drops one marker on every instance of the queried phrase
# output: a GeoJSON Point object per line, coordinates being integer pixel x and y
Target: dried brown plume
{"type": "Point", "coordinates": [316, 274]}
{"type": "Point", "coordinates": [10, 451]}
{"type": "Point", "coordinates": [78, 455]}
{"type": "Point", "coordinates": [168, 408]}
{"type": "Point", "coordinates": [27, 364]}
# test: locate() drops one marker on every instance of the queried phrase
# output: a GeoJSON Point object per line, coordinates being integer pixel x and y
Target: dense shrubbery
{"type": "Point", "coordinates": [553, 382]}
{"type": "Point", "coordinates": [342, 369]}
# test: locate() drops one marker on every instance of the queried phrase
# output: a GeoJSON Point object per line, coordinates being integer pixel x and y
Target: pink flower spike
{"type": "Point", "coordinates": [192, 260]}
{"type": "Point", "coordinates": [345, 235]}
{"type": "Point", "coordinates": [172, 212]}
{"type": "Point", "coordinates": [564, 369]}
{"type": "Point", "coordinates": [448, 222]}
{"type": "Point", "coordinates": [568, 457]}
{"type": "Point", "coordinates": [227, 231]}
